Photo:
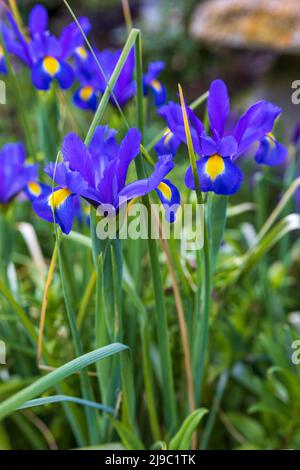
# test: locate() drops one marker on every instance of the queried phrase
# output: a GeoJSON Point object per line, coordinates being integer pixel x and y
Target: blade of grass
{"type": "Point", "coordinates": [201, 345]}
{"type": "Point", "coordinates": [160, 309]}
{"type": "Point", "coordinates": [53, 378]}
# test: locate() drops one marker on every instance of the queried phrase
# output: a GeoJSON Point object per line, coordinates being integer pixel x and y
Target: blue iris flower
{"type": "Point", "coordinates": [170, 142]}
{"type": "Point", "coordinates": [152, 84]}
{"type": "Point", "coordinates": [3, 68]}
{"type": "Point", "coordinates": [219, 151]}
{"type": "Point", "coordinates": [45, 54]}
{"type": "Point", "coordinates": [98, 174]}
{"type": "Point", "coordinates": [15, 176]}
{"type": "Point", "coordinates": [93, 79]}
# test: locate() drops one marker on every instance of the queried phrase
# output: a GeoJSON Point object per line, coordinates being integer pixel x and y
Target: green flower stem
{"type": "Point", "coordinates": [160, 310]}
{"type": "Point", "coordinates": [207, 284]}
{"type": "Point", "coordinates": [87, 392]}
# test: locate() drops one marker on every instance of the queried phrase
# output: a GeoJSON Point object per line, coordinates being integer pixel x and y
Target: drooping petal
{"type": "Point", "coordinates": [255, 124]}
{"type": "Point", "coordinates": [38, 20]}
{"type": "Point", "coordinates": [159, 92]}
{"type": "Point", "coordinates": [141, 187]}
{"type": "Point", "coordinates": [86, 98]}
{"type": "Point", "coordinates": [58, 206]}
{"type": "Point", "coordinates": [169, 196]}
{"type": "Point", "coordinates": [216, 174]}
{"type": "Point", "coordinates": [271, 152]}
{"type": "Point", "coordinates": [218, 106]}
{"type": "Point", "coordinates": [65, 76]}
{"type": "Point", "coordinates": [36, 189]}
{"type": "Point", "coordinates": [168, 144]}
{"type": "Point", "coordinates": [172, 114]}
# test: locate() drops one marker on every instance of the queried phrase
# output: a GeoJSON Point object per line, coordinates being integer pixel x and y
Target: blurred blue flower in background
{"type": "Point", "coordinates": [152, 84]}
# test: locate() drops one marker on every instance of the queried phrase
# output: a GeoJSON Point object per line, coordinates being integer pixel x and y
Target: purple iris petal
{"type": "Point", "coordinates": [63, 214]}
{"type": "Point", "coordinates": [208, 146]}
{"type": "Point", "coordinates": [218, 106]}
{"type": "Point", "coordinates": [78, 157]}
{"type": "Point", "coordinates": [71, 37]}
{"type": "Point", "coordinates": [129, 149]}
{"type": "Point", "coordinates": [228, 182]}
{"type": "Point", "coordinates": [38, 20]}
{"type": "Point", "coordinates": [65, 76]}
{"type": "Point", "coordinates": [271, 152]}
{"type": "Point", "coordinates": [14, 175]}
{"type": "Point", "coordinates": [227, 146]}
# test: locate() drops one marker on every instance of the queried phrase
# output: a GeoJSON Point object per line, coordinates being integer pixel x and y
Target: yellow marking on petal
{"type": "Point", "coordinates": [166, 190]}
{"type": "Point", "coordinates": [51, 65]}
{"type": "Point", "coordinates": [156, 85]}
{"type": "Point", "coordinates": [86, 92]}
{"type": "Point", "coordinates": [168, 136]}
{"type": "Point", "coordinates": [34, 188]}
{"type": "Point", "coordinates": [271, 138]}
{"type": "Point", "coordinates": [1, 52]}
{"type": "Point", "coordinates": [214, 166]}
{"type": "Point", "coordinates": [82, 52]}
{"type": "Point", "coordinates": [57, 198]}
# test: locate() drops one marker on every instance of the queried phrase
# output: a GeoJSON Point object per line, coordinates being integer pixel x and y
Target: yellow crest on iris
{"type": "Point", "coordinates": [165, 190]}
{"type": "Point", "coordinates": [1, 51]}
{"type": "Point", "coordinates": [156, 85]}
{"type": "Point", "coordinates": [34, 188]}
{"type": "Point", "coordinates": [57, 198]}
{"type": "Point", "coordinates": [215, 166]}
{"type": "Point", "coordinates": [51, 65]}
{"type": "Point", "coordinates": [82, 52]}
{"type": "Point", "coordinates": [86, 92]}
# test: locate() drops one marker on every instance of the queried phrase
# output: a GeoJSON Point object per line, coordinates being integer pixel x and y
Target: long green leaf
{"type": "Point", "coordinates": [182, 440]}
{"type": "Point", "coordinates": [53, 378]}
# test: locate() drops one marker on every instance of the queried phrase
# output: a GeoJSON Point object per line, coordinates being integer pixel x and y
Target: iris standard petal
{"type": "Point", "coordinates": [218, 106]}
{"type": "Point", "coordinates": [77, 155]}
{"type": "Point", "coordinates": [227, 146]}
{"type": "Point", "coordinates": [72, 37]}
{"type": "Point", "coordinates": [129, 149]}
{"type": "Point", "coordinates": [216, 174]}
{"type": "Point", "coordinates": [65, 76]}
{"type": "Point", "coordinates": [169, 196]}
{"type": "Point", "coordinates": [38, 20]}
{"type": "Point", "coordinates": [271, 152]}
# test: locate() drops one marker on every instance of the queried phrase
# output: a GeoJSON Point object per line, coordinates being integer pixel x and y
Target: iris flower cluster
{"type": "Point", "coordinates": [98, 174]}
{"type": "Point", "coordinates": [46, 55]}
{"type": "Point", "coordinates": [48, 59]}
{"type": "Point", "coordinates": [219, 150]}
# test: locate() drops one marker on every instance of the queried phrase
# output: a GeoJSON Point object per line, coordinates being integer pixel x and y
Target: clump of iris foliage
{"type": "Point", "coordinates": [132, 343]}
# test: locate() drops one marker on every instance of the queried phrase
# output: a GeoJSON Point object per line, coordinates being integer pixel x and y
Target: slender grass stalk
{"type": "Point", "coordinates": [44, 304]}
{"type": "Point", "coordinates": [160, 309]}
{"type": "Point", "coordinates": [203, 339]}
{"type": "Point", "coordinates": [53, 378]}
{"type": "Point", "coordinates": [91, 415]}
{"type": "Point", "coordinates": [86, 299]}
{"type": "Point", "coordinates": [182, 324]}
{"type": "Point", "coordinates": [127, 14]}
